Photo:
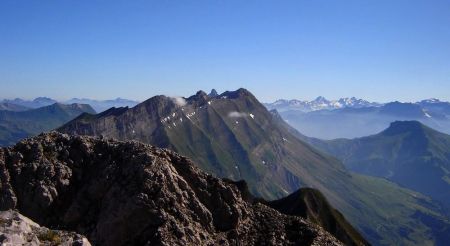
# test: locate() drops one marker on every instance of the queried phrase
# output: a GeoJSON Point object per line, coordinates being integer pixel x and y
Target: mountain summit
{"type": "Point", "coordinates": [400, 127]}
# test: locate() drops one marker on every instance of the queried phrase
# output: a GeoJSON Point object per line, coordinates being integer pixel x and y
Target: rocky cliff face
{"type": "Point", "coordinates": [129, 193]}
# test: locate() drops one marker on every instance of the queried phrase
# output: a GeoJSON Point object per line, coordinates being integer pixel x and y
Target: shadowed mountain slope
{"type": "Point", "coordinates": [311, 204]}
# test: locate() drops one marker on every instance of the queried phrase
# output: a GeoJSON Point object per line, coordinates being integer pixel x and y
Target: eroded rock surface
{"type": "Point", "coordinates": [129, 193]}
{"type": "Point", "coordinates": [16, 229]}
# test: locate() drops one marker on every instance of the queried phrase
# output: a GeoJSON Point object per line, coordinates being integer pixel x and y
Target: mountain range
{"type": "Point", "coordinates": [407, 152]}
{"type": "Point", "coordinates": [358, 122]}
{"type": "Point", "coordinates": [320, 103]}
{"type": "Point", "coordinates": [19, 104]}
{"type": "Point", "coordinates": [12, 107]}
{"type": "Point", "coordinates": [15, 126]}
{"type": "Point", "coordinates": [35, 103]}
{"type": "Point", "coordinates": [102, 105]}
{"type": "Point", "coordinates": [233, 136]}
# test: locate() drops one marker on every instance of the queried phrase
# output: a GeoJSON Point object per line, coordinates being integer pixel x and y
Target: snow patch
{"type": "Point", "coordinates": [253, 116]}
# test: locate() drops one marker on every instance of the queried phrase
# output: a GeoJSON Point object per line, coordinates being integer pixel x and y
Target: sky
{"type": "Point", "coordinates": [379, 50]}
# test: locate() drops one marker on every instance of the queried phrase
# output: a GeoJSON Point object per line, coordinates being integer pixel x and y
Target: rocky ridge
{"type": "Point", "coordinates": [129, 193]}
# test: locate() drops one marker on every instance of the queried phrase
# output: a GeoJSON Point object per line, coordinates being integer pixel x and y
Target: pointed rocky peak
{"type": "Point", "coordinates": [199, 98]}
{"type": "Point", "coordinates": [213, 93]}
{"type": "Point", "coordinates": [201, 93]}
{"type": "Point", "coordinates": [321, 99]}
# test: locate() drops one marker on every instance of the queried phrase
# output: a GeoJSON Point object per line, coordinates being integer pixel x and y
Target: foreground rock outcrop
{"type": "Point", "coordinates": [16, 229]}
{"type": "Point", "coordinates": [129, 193]}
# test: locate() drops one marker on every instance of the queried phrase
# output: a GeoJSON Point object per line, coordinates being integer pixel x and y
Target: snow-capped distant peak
{"type": "Point", "coordinates": [431, 100]}
{"type": "Point", "coordinates": [320, 103]}
{"type": "Point", "coordinates": [321, 99]}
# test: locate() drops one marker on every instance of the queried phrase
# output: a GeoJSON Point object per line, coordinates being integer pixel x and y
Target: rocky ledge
{"type": "Point", "coordinates": [129, 193]}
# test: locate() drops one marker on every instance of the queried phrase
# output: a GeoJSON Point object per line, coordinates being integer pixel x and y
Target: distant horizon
{"type": "Point", "coordinates": [220, 92]}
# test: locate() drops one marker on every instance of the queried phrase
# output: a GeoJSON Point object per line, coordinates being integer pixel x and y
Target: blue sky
{"type": "Point", "coordinates": [379, 50]}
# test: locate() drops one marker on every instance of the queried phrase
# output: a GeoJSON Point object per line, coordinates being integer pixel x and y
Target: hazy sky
{"type": "Point", "coordinates": [379, 50]}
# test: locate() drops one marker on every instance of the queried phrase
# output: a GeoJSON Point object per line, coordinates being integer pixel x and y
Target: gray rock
{"type": "Point", "coordinates": [129, 193]}
{"type": "Point", "coordinates": [16, 229]}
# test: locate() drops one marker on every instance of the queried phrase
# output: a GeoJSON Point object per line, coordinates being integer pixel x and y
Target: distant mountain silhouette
{"type": "Point", "coordinates": [358, 122]}
{"type": "Point", "coordinates": [15, 126]}
{"type": "Point", "coordinates": [320, 103]}
{"type": "Point", "coordinates": [102, 105]}
{"type": "Point", "coordinates": [12, 107]}
{"type": "Point", "coordinates": [97, 105]}
{"type": "Point", "coordinates": [36, 103]}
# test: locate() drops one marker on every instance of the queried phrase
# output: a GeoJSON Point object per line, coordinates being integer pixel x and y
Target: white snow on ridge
{"type": "Point", "coordinates": [320, 103]}
{"type": "Point", "coordinates": [252, 115]}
